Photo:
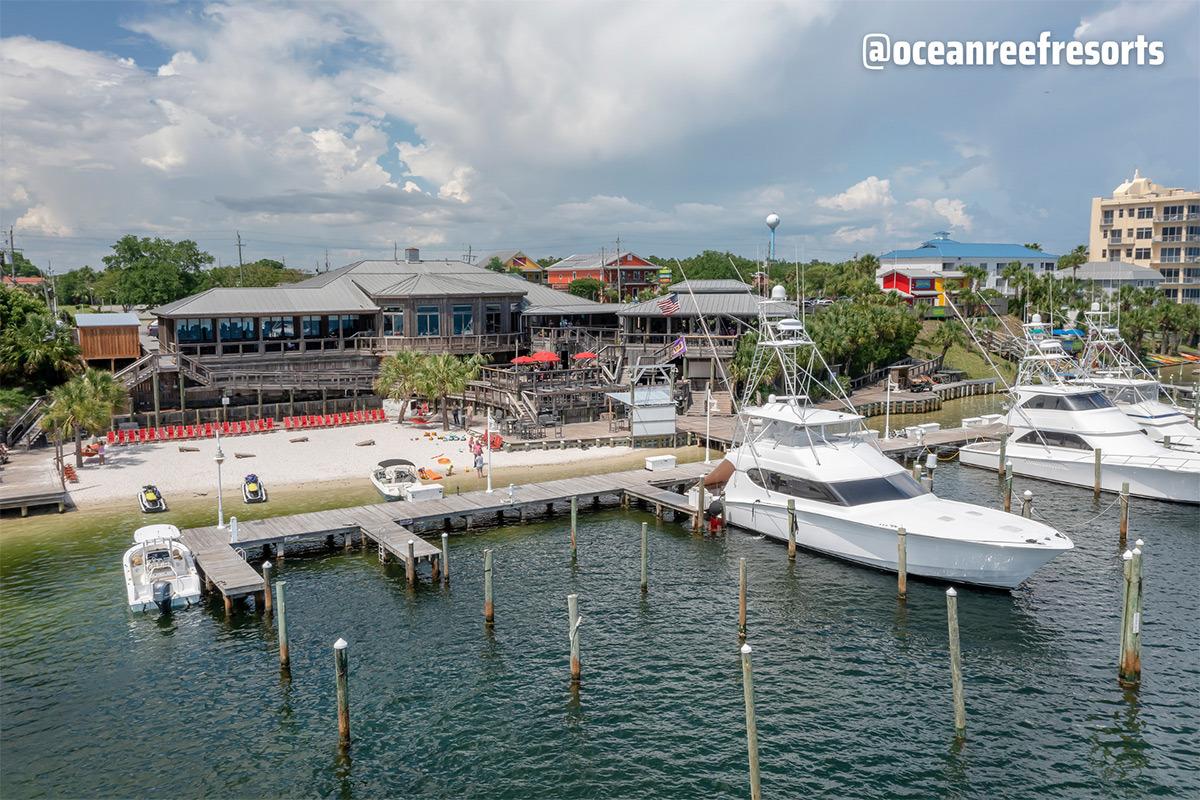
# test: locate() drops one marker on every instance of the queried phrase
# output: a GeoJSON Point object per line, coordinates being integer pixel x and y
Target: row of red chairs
{"type": "Point", "coordinates": [181, 432]}
{"type": "Point", "coordinates": [334, 420]}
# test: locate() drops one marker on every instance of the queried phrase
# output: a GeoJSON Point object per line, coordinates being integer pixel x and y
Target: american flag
{"type": "Point", "coordinates": [669, 305]}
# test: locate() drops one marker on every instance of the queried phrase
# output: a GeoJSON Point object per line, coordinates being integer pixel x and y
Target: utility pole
{"type": "Point", "coordinates": [239, 247]}
{"type": "Point", "coordinates": [619, 297]}
{"type": "Point", "coordinates": [12, 255]}
{"type": "Point", "coordinates": [326, 261]}
{"type": "Point", "coordinates": [470, 255]}
{"type": "Point", "coordinates": [395, 252]}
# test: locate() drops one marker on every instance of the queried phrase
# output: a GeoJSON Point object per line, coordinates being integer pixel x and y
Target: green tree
{"type": "Point", "coordinates": [1074, 259]}
{"type": "Point", "coordinates": [949, 333]}
{"type": "Point", "coordinates": [22, 266]}
{"type": "Point", "coordinates": [77, 287]}
{"type": "Point", "coordinates": [743, 359]}
{"type": "Point", "coordinates": [399, 377]}
{"type": "Point", "coordinates": [155, 271]}
{"type": "Point", "coordinates": [548, 261]}
{"type": "Point", "coordinates": [1034, 246]}
{"type": "Point", "coordinates": [589, 288]}
{"type": "Point", "coordinates": [85, 402]}
{"type": "Point", "coordinates": [443, 374]}
{"type": "Point", "coordinates": [264, 272]}
{"type": "Point", "coordinates": [496, 265]}
{"type": "Point", "coordinates": [35, 350]}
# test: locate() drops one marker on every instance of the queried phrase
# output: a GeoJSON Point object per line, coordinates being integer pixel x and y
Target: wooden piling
{"type": "Point", "coordinates": [285, 659]}
{"type": "Point", "coordinates": [916, 469]}
{"type": "Point", "coordinates": [573, 633]}
{"type": "Point", "coordinates": [574, 521]}
{"type": "Point", "coordinates": [1130, 667]}
{"type": "Point", "coordinates": [960, 711]}
{"type": "Point", "coordinates": [1027, 504]}
{"type": "Point", "coordinates": [410, 566]}
{"type": "Point", "coordinates": [1124, 525]}
{"type": "Point", "coordinates": [902, 563]}
{"type": "Point", "coordinates": [751, 724]}
{"type": "Point", "coordinates": [228, 605]}
{"type": "Point", "coordinates": [1096, 476]}
{"type": "Point", "coordinates": [489, 613]}
{"type": "Point", "coordinates": [341, 667]}
{"type": "Point", "coordinates": [698, 520]}
{"type": "Point", "coordinates": [1008, 482]}
{"type": "Point", "coordinates": [1003, 456]}
{"type": "Point", "coordinates": [742, 599]}
{"type": "Point", "coordinates": [268, 599]}
{"type": "Point", "coordinates": [791, 522]}
{"type": "Point", "coordinates": [446, 558]}
{"type": "Point", "coordinates": [645, 554]}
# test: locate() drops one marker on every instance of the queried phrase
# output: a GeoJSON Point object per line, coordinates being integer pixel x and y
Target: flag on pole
{"type": "Point", "coordinates": [669, 305]}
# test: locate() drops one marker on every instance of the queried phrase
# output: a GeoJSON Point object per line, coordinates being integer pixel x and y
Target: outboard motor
{"type": "Point", "coordinates": [162, 595]}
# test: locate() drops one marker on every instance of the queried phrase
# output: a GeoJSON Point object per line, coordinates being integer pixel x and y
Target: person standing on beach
{"type": "Point", "coordinates": [479, 463]}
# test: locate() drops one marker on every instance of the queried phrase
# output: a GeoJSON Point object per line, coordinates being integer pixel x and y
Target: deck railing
{"type": "Point", "coordinates": [463, 344]}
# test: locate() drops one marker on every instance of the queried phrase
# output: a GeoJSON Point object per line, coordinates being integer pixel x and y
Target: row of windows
{"type": "Point", "coordinates": [1055, 439]}
{"type": "Point", "coordinates": [1147, 212]}
{"type": "Point", "coordinates": [900, 486]}
{"type": "Point", "coordinates": [1068, 402]}
{"type": "Point", "coordinates": [193, 330]}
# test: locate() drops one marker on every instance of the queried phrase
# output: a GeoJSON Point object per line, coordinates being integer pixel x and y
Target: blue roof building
{"type": "Point", "coordinates": [943, 254]}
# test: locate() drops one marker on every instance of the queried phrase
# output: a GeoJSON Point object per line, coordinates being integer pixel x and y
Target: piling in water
{"type": "Point", "coordinates": [645, 554]}
{"type": "Point", "coordinates": [1124, 525]}
{"type": "Point", "coordinates": [751, 724]}
{"type": "Point", "coordinates": [1027, 504]}
{"type": "Point", "coordinates": [1130, 668]}
{"type": "Point", "coordinates": [285, 659]}
{"type": "Point", "coordinates": [489, 613]}
{"type": "Point", "coordinates": [960, 711]}
{"type": "Point", "coordinates": [268, 599]}
{"type": "Point", "coordinates": [902, 563]}
{"type": "Point", "coordinates": [446, 558]}
{"type": "Point", "coordinates": [698, 519]}
{"type": "Point", "coordinates": [574, 622]}
{"type": "Point", "coordinates": [791, 511]}
{"type": "Point", "coordinates": [1003, 459]}
{"type": "Point", "coordinates": [1096, 475]}
{"type": "Point", "coordinates": [341, 665]}
{"type": "Point", "coordinates": [1008, 481]}
{"type": "Point", "coordinates": [574, 520]}
{"type": "Point", "coordinates": [931, 461]}
{"type": "Point", "coordinates": [742, 599]}
{"type": "Point", "coordinates": [410, 566]}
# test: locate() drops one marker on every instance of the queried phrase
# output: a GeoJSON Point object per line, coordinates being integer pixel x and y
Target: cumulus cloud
{"type": "Point", "coordinates": [869, 194]}
{"type": "Point", "coordinates": [950, 210]}
{"type": "Point", "coordinates": [1129, 17]}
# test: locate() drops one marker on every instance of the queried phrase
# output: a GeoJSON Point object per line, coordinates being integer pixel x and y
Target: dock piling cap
{"type": "Point", "coordinates": [746, 650]}
{"type": "Point", "coordinates": [951, 593]}
{"type": "Point", "coordinates": [340, 644]}
{"type": "Point", "coordinates": [1127, 555]}
{"type": "Point", "coordinates": [1139, 544]}
{"type": "Point", "coordinates": [266, 565]}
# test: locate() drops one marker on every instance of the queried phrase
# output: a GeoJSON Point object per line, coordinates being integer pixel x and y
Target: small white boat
{"type": "Point", "coordinates": [151, 499]}
{"type": "Point", "coordinates": [253, 489]}
{"type": "Point", "coordinates": [160, 570]}
{"type": "Point", "coordinates": [393, 477]}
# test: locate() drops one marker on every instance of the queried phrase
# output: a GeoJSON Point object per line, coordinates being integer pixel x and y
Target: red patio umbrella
{"type": "Point", "coordinates": [522, 360]}
{"type": "Point", "coordinates": [584, 356]}
{"type": "Point", "coordinates": [544, 357]}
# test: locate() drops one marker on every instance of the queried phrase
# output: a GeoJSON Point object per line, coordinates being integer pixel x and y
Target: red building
{"type": "Point", "coordinates": [627, 272]}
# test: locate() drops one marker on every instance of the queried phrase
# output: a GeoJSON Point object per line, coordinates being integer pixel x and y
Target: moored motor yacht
{"type": "Point", "coordinates": [850, 499]}
{"type": "Point", "coordinates": [160, 570]}
{"type": "Point", "coordinates": [1057, 427]}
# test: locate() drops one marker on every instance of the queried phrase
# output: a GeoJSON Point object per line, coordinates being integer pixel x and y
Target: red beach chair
{"type": "Point", "coordinates": [111, 437]}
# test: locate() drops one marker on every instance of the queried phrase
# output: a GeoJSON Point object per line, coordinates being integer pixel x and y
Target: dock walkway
{"type": "Point", "coordinates": [29, 480]}
{"type": "Point", "coordinates": [223, 561]}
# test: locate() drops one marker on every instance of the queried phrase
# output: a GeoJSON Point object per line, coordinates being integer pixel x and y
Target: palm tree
{"type": "Point", "coordinates": [40, 348]}
{"type": "Point", "coordinates": [399, 377]}
{"type": "Point", "coordinates": [950, 333]}
{"type": "Point", "coordinates": [443, 374]}
{"type": "Point", "coordinates": [85, 402]}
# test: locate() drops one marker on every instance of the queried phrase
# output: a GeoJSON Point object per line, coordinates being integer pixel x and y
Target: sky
{"type": "Point", "coordinates": [555, 128]}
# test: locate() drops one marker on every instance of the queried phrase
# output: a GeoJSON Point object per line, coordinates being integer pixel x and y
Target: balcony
{"type": "Point", "coordinates": [1170, 260]}
{"type": "Point", "coordinates": [1106, 223]}
{"type": "Point", "coordinates": [466, 344]}
{"type": "Point", "coordinates": [1191, 259]}
{"type": "Point", "coordinates": [1169, 217]}
{"type": "Point", "coordinates": [1174, 237]}
{"type": "Point", "coordinates": [1192, 237]}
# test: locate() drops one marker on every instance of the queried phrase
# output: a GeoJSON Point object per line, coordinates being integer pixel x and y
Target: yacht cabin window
{"type": "Point", "coordinates": [1068, 402]}
{"type": "Point", "coordinates": [899, 486]}
{"type": "Point", "coordinates": [1055, 439]}
{"type": "Point", "coordinates": [1133, 394]}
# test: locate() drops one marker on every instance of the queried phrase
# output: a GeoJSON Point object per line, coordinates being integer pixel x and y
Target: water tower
{"type": "Point", "coordinates": [772, 223]}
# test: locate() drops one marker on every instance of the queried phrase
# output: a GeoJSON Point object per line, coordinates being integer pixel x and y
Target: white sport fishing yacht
{"type": "Point", "coordinates": [1111, 366]}
{"type": "Point", "coordinates": [160, 570]}
{"type": "Point", "coordinates": [1057, 427]}
{"type": "Point", "coordinates": [850, 498]}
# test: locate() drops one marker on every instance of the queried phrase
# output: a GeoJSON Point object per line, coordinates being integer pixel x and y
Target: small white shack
{"type": "Point", "coordinates": [652, 412]}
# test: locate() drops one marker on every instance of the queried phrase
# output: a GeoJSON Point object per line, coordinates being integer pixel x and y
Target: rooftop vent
{"type": "Point", "coordinates": [412, 255]}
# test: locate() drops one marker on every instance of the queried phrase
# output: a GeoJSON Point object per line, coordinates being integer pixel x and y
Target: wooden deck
{"type": "Point", "coordinates": [29, 480]}
{"type": "Point", "coordinates": [391, 525]}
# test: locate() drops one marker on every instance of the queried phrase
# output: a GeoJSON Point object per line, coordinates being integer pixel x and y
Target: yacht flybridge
{"type": "Point", "coordinates": [1057, 425]}
{"type": "Point", "coordinates": [849, 497]}
{"type": "Point", "coordinates": [1108, 364]}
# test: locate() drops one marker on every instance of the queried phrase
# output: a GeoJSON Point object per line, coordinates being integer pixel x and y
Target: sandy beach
{"type": "Point", "coordinates": [328, 456]}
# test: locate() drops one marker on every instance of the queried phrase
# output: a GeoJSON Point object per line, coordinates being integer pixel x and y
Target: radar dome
{"type": "Point", "coordinates": [772, 221]}
{"type": "Point", "coordinates": [1095, 306]}
{"type": "Point", "coordinates": [1037, 319]}
{"type": "Point", "coordinates": [779, 293]}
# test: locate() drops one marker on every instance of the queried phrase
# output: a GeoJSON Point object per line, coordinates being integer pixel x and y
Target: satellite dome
{"type": "Point", "coordinates": [779, 293]}
{"type": "Point", "coordinates": [772, 221]}
{"type": "Point", "coordinates": [1095, 306]}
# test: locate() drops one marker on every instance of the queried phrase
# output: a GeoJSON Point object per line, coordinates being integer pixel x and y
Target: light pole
{"type": "Point", "coordinates": [887, 408]}
{"type": "Point", "coordinates": [488, 442]}
{"type": "Point", "coordinates": [219, 458]}
{"type": "Point", "coordinates": [708, 419]}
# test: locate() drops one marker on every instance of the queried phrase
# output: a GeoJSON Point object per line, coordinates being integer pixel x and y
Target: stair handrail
{"type": "Point", "coordinates": [20, 426]}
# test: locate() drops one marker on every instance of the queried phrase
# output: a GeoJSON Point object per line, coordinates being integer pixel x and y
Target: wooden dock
{"type": "Point", "coordinates": [224, 562]}
{"type": "Point", "coordinates": [29, 480]}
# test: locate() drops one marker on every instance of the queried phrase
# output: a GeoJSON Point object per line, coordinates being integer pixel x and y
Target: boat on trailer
{"type": "Point", "coordinates": [160, 570]}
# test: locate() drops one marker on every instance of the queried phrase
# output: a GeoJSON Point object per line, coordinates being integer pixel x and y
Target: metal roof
{"type": "Point", "coordinates": [294, 298]}
{"type": "Point", "coordinates": [714, 286]}
{"type": "Point", "coordinates": [592, 261]}
{"type": "Point", "coordinates": [948, 248]}
{"type": "Point", "coordinates": [122, 320]}
{"type": "Point", "coordinates": [1111, 271]}
{"type": "Point", "coordinates": [741, 305]}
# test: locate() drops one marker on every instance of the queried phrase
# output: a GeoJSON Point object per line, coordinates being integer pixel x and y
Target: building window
{"type": "Point", "coordinates": [393, 321]}
{"type": "Point", "coordinates": [1193, 233]}
{"type": "Point", "coordinates": [1141, 254]}
{"type": "Point", "coordinates": [1115, 236]}
{"type": "Point", "coordinates": [237, 329]}
{"type": "Point", "coordinates": [1121, 213]}
{"type": "Point", "coordinates": [1191, 255]}
{"type": "Point", "coordinates": [429, 321]}
{"type": "Point", "coordinates": [463, 320]}
{"type": "Point", "coordinates": [1144, 233]}
{"type": "Point", "coordinates": [1146, 212]}
{"type": "Point", "coordinates": [1172, 213]}
{"type": "Point", "coordinates": [1169, 274]}
{"type": "Point", "coordinates": [1193, 210]}
{"type": "Point", "coordinates": [194, 330]}
{"type": "Point", "coordinates": [1114, 255]}
{"type": "Point", "coordinates": [1172, 233]}
{"type": "Point", "coordinates": [1107, 217]}
{"type": "Point", "coordinates": [1169, 255]}
{"type": "Point", "coordinates": [492, 320]}
{"type": "Point", "coordinates": [278, 328]}
{"type": "Point", "coordinates": [310, 327]}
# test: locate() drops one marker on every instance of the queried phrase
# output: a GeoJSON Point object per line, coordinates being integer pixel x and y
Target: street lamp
{"type": "Point", "coordinates": [220, 459]}
{"type": "Point", "coordinates": [488, 441]}
{"type": "Point", "coordinates": [708, 402]}
{"type": "Point", "coordinates": [887, 408]}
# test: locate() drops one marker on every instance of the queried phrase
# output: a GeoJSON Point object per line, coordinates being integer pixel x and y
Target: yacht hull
{"type": "Point", "coordinates": [996, 566]}
{"type": "Point", "coordinates": [1145, 480]}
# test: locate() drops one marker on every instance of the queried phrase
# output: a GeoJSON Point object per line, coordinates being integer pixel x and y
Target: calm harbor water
{"type": "Point", "coordinates": [852, 688]}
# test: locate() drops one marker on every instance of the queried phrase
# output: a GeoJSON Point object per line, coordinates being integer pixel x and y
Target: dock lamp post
{"type": "Point", "coordinates": [887, 408]}
{"type": "Point", "coordinates": [220, 459]}
{"type": "Point", "coordinates": [708, 404]}
{"type": "Point", "coordinates": [488, 440]}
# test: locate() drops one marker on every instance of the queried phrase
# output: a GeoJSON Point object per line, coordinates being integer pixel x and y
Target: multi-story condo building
{"type": "Point", "coordinates": [921, 274]}
{"type": "Point", "coordinates": [1151, 225]}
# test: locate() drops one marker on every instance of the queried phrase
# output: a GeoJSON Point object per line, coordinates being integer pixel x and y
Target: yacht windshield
{"type": "Point", "coordinates": [900, 486]}
{"type": "Point", "coordinates": [1134, 394]}
{"type": "Point", "coordinates": [1068, 402]}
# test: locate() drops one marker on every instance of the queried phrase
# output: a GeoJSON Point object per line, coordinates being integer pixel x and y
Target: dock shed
{"type": "Point", "coordinates": [108, 337]}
